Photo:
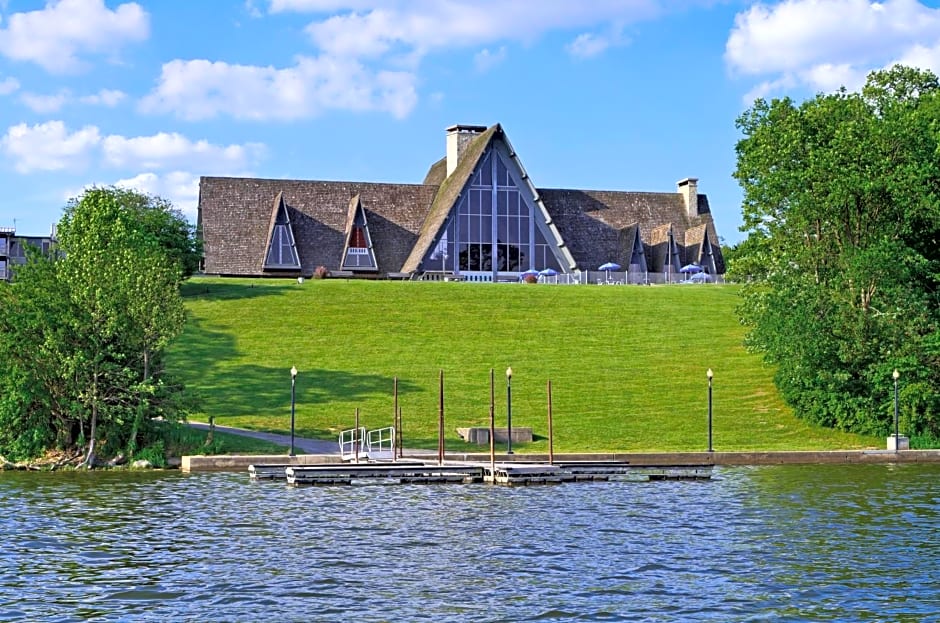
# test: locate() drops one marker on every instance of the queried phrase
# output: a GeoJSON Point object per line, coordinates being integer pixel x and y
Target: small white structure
{"type": "Point", "coordinates": [900, 442]}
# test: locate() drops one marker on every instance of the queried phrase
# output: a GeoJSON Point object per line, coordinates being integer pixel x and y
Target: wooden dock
{"type": "Point", "coordinates": [383, 473]}
{"type": "Point", "coordinates": [508, 474]}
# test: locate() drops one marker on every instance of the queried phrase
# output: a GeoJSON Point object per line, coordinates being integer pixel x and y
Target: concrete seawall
{"type": "Point", "coordinates": [241, 462]}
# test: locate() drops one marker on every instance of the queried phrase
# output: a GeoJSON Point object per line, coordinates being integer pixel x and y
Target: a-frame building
{"type": "Point", "coordinates": [476, 216]}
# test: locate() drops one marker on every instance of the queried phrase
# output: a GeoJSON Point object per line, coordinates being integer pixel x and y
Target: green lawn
{"type": "Point", "coordinates": [627, 364]}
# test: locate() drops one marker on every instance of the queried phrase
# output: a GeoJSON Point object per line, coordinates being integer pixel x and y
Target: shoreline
{"type": "Point", "coordinates": [195, 464]}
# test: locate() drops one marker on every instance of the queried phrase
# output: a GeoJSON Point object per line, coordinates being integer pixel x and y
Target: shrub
{"type": "Point", "coordinates": [530, 279]}
{"type": "Point", "coordinates": [322, 272]}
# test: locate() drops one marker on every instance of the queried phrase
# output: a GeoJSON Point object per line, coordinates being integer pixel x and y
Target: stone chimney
{"type": "Point", "coordinates": [458, 137]}
{"type": "Point", "coordinates": [688, 188]}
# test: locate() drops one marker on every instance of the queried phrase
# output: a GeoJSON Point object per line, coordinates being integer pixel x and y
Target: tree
{"type": "Point", "coordinates": [842, 212]}
{"type": "Point", "coordinates": [85, 328]}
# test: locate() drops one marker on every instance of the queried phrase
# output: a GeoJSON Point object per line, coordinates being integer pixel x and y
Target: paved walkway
{"type": "Point", "coordinates": [308, 446]}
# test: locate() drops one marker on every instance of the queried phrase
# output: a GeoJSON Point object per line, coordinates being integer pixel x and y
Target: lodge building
{"type": "Point", "coordinates": [476, 216]}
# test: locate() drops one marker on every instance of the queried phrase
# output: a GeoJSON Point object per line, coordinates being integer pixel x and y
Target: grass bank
{"type": "Point", "coordinates": [627, 364]}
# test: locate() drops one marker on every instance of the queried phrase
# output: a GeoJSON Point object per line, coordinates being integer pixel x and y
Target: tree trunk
{"type": "Point", "coordinates": [90, 459]}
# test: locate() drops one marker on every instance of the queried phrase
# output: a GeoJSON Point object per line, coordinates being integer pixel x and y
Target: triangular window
{"type": "Point", "coordinates": [358, 254]}
{"type": "Point", "coordinates": [495, 226]}
{"type": "Point", "coordinates": [635, 251]}
{"type": "Point", "coordinates": [282, 251]}
{"type": "Point", "coordinates": [707, 258]}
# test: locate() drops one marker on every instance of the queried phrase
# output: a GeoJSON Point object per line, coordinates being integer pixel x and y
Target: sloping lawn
{"type": "Point", "coordinates": [627, 363]}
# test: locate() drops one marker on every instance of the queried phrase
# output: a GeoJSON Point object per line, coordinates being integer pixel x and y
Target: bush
{"type": "Point", "coordinates": [530, 279]}
{"type": "Point", "coordinates": [322, 272]}
{"type": "Point", "coordinates": [155, 453]}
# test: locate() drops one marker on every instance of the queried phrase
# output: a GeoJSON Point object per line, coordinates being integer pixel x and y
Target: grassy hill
{"type": "Point", "coordinates": [627, 364]}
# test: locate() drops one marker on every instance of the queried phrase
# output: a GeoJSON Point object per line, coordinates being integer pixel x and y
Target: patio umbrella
{"type": "Point", "coordinates": [548, 272]}
{"type": "Point", "coordinates": [691, 268]}
{"type": "Point", "coordinates": [607, 267]}
{"type": "Point", "coordinates": [531, 272]}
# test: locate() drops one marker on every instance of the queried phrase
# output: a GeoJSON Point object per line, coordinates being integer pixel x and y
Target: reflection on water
{"type": "Point", "coordinates": [755, 544]}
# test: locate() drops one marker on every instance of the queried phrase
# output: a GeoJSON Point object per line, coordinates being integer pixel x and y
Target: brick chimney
{"type": "Point", "coordinates": [458, 137]}
{"type": "Point", "coordinates": [688, 188]}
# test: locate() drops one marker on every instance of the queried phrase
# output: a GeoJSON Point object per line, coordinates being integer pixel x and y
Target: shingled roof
{"type": "Point", "coordinates": [235, 213]}
{"type": "Point", "coordinates": [405, 220]}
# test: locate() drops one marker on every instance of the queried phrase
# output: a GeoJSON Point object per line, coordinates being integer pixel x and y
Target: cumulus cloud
{"type": "Point", "coordinates": [372, 29]}
{"type": "Point", "coordinates": [45, 104]}
{"type": "Point", "coordinates": [825, 44]}
{"type": "Point", "coordinates": [51, 146]}
{"type": "Point", "coordinates": [587, 45]}
{"type": "Point", "coordinates": [108, 98]}
{"type": "Point", "coordinates": [60, 35]}
{"type": "Point", "coordinates": [165, 150]}
{"type": "Point", "coordinates": [201, 89]}
{"type": "Point", "coordinates": [180, 188]}
{"type": "Point", "coordinates": [367, 54]}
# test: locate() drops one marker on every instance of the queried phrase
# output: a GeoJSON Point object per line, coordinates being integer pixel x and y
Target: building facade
{"type": "Point", "coordinates": [13, 249]}
{"type": "Point", "coordinates": [477, 215]}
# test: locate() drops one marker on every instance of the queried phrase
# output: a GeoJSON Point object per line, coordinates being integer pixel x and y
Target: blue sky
{"type": "Point", "coordinates": [602, 94]}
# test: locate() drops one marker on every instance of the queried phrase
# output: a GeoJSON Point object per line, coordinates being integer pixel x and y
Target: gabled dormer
{"type": "Point", "coordinates": [487, 220]}
{"type": "Point", "coordinates": [281, 248]}
{"type": "Point", "coordinates": [633, 249]}
{"type": "Point", "coordinates": [357, 252]}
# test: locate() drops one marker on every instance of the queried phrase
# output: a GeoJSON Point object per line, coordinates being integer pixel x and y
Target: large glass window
{"type": "Point", "coordinates": [492, 228]}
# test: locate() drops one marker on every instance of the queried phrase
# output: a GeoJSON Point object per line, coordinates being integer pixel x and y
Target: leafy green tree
{"type": "Point", "coordinates": [842, 211]}
{"type": "Point", "coordinates": [85, 329]}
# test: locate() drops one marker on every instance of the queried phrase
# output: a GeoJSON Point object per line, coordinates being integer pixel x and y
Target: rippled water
{"type": "Point", "coordinates": [755, 544]}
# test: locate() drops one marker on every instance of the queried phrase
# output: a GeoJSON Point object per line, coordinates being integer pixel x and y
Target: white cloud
{"type": "Point", "coordinates": [108, 98]}
{"type": "Point", "coordinates": [9, 85]}
{"type": "Point", "coordinates": [49, 146]}
{"type": "Point", "coordinates": [368, 53]}
{"type": "Point", "coordinates": [926, 56]}
{"type": "Point", "coordinates": [165, 150]}
{"type": "Point", "coordinates": [59, 35]}
{"type": "Point", "coordinates": [181, 188]}
{"type": "Point", "coordinates": [824, 44]}
{"type": "Point", "coordinates": [485, 60]}
{"type": "Point", "coordinates": [587, 45]}
{"type": "Point", "coordinates": [369, 30]}
{"type": "Point", "coordinates": [45, 104]}
{"type": "Point", "coordinates": [201, 89]}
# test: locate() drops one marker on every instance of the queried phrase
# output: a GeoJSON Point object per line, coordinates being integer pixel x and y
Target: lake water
{"type": "Point", "coordinates": [774, 543]}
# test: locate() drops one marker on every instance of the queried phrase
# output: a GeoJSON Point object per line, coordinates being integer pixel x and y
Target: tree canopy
{"type": "Point", "coordinates": [842, 211]}
{"type": "Point", "coordinates": [83, 330]}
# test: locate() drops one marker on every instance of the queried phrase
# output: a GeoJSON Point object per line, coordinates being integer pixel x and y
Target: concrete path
{"type": "Point", "coordinates": [308, 446]}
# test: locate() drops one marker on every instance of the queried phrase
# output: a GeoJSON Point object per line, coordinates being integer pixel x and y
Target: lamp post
{"type": "Point", "coordinates": [293, 394]}
{"type": "Point", "coordinates": [509, 410]}
{"type": "Point", "coordinates": [710, 375]}
{"type": "Point", "coordinates": [896, 375]}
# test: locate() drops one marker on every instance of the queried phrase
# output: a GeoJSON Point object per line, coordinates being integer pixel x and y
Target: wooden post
{"type": "Point", "coordinates": [401, 451]}
{"type": "Point", "coordinates": [395, 417]}
{"type": "Point", "coordinates": [492, 427]}
{"type": "Point", "coordinates": [356, 439]}
{"type": "Point", "coordinates": [440, 425]}
{"type": "Point", "coordinates": [551, 437]}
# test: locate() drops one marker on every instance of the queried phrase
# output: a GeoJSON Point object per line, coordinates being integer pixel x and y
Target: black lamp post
{"type": "Point", "coordinates": [710, 375]}
{"type": "Point", "coordinates": [293, 394]}
{"type": "Point", "coordinates": [897, 443]}
{"type": "Point", "coordinates": [509, 410]}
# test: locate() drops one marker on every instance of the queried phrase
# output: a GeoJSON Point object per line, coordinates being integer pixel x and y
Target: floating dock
{"type": "Point", "coordinates": [508, 474]}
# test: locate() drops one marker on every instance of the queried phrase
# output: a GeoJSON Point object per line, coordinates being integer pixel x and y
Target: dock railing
{"type": "Point", "coordinates": [358, 444]}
